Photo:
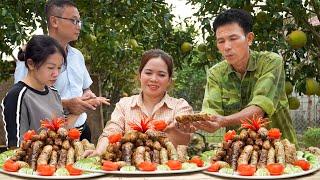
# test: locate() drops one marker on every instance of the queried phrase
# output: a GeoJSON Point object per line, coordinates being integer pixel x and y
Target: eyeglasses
{"type": "Point", "coordinates": [74, 21]}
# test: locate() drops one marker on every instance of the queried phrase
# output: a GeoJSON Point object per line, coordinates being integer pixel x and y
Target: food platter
{"type": "Point", "coordinates": [236, 176]}
{"type": "Point", "coordinates": [157, 172]}
{"type": "Point", "coordinates": [89, 175]}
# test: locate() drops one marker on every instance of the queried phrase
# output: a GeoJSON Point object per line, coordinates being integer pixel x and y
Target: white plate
{"type": "Point", "coordinates": [236, 176]}
{"type": "Point", "coordinates": [51, 177]}
{"type": "Point", "coordinates": [137, 172]}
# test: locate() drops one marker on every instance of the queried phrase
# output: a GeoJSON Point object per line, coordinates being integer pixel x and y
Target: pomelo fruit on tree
{"type": "Point", "coordinates": [297, 39]}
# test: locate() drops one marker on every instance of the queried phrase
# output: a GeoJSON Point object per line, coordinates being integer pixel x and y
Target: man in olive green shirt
{"type": "Point", "coordinates": [246, 82]}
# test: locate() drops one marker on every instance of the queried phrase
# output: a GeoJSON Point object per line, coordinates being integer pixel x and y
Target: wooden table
{"type": "Point", "coordinates": [193, 176]}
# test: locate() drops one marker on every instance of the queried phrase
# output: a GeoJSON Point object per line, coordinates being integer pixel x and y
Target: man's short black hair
{"type": "Point", "coordinates": [55, 7]}
{"type": "Point", "coordinates": [239, 16]}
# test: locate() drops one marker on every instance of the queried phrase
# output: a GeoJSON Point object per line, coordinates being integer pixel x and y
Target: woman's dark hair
{"type": "Point", "coordinates": [39, 48]}
{"type": "Point", "coordinates": [239, 16]}
{"type": "Point", "coordinates": [154, 53]}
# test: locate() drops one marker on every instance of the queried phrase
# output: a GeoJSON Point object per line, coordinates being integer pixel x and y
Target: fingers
{"type": "Point", "coordinates": [186, 127]}
{"type": "Point", "coordinates": [207, 126]}
{"type": "Point", "coordinates": [88, 153]}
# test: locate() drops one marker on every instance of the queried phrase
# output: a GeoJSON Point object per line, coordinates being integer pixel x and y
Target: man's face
{"type": "Point", "coordinates": [234, 44]}
{"type": "Point", "coordinates": [66, 28]}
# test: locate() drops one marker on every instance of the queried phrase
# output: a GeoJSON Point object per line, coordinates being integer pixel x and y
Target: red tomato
{"type": "Point", "coordinates": [214, 167]}
{"type": "Point", "coordinates": [274, 133]}
{"type": "Point", "coordinates": [46, 170]}
{"type": "Point", "coordinates": [174, 164]}
{"type": "Point", "coordinates": [73, 171]}
{"type": "Point", "coordinates": [110, 166]}
{"type": "Point", "coordinates": [74, 133]}
{"type": "Point", "coordinates": [275, 168]}
{"type": "Point", "coordinates": [159, 125]}
{"type": "Point", "coordinates": [28, 135]}
{"type": "Point", "coordinates": [305, 165]}
{"type": "Point", "coordinates": [147, 166]}
{"type": "Point", "coordinates": [229, 135]}
{"type": "Point", "coordinates": [196, 160]}
{"type": "Point", "coordinates": [10, 166]}
{"type": "Point", "coordinates": [246, 170]}
{"type": "Point", "coordinates": [114, 138]}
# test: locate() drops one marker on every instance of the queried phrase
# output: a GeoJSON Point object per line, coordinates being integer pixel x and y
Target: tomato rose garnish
{"type": "Point", "coordinates": [147, 166]}
{"type": "Point", "coordinates": [159, 125]}
{"type": "Point", "coordinates": [275, 168]}
{"type": "Point", "coordinates": [114, 138]}
{"type": "Point", "coordinates": [197, 160]}
{"type": "Point", "coordinates": [305, 165]}
{"type": "Point", "coordinates": [28, 135]}
{"type": "Point", "coordinates": [174, 164]}
{"type": "Point", "coordinates": [274, 133]}
{"type": "Point", "coordinates": [110, 166]}
{"type": "Point", "coordinates": [214, 167]}
{"type": "Point", "coordinates": [74, 134]}
{"type": "Point", "coordinates": [46, 170]}
{"type": "Point", "coordinates": [246, 170]}
{"type": "Point", "coordinates": [10, 166]}
{"type": "Point", "coordinates": [230, 135]}
{"type": "Point", "coordinates": [73, 171]}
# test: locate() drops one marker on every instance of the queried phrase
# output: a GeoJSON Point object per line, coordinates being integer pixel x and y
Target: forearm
{"type": "Point", "coordinates": [248, 112]}
{"type": "Point", "coordinates": [65, 103]}
{"type": "Point", "coordinates": [102, 145]}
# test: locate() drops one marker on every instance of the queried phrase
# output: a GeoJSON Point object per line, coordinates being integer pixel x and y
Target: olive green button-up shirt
{"type": "Point", "coordinates": [262, 85]}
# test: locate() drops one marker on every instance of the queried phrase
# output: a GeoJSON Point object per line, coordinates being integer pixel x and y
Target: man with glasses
{"type": "Point", "coordinates": [74, 82]}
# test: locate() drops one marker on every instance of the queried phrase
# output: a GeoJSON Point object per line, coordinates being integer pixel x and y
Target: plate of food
{"type": "Point", "coordinates": [255, 152]}
{"type": "Point", "coordinates": [47, 155]}
{"type": "Point", "coordinates": [142, 150]}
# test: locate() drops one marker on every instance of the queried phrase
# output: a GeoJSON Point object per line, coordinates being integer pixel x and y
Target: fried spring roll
{"type": "Point", "coordinates": [254, 158]}
{"type": "Point", "coordinates": [62, 158]}
{"type": "Point", "coordinates": [43, 134]}
{"type": "Point", "coordinates": [78, 147]}
{"type": "Point", "coordinates": [36, 150]}
{"type": "Point", "coordinates": [192, 118]}
{"type": "Point", "coordinates": [147, 156]}
{"type": "Point", "coordinates": [70, 156]}
{"type": "Point", "coordinates": [87, 145]}
{"type": "Point", "coordinates": [266, 145]}
{"type": "Point", "coordinates": [45, 155]}
{"type": "Point", "coordinates": [271, 156]}
{"type": "Point", "coordinates": [62, 133]}
{"type": "Point", "coordinates": [172, 152]}
{"type": "Point", "coordinates": [54, 158]}
{"type": "Point", "coordinates": [280, 154]}
{"type": "Point", "coordinates": [163, 156]}
{"type": "Point", "coordinates": [290, 150]}
{"type": "Point", "coordinates": [182, 151]}
{"type": "Point", "coordinates": [236, 146]}
{"type": "Point", "coordinates": [127, 152]}
{"type": "Point", "coordinates": [157, 145]}
{"type": "Point", "coordinates": [263, 132]}
{"type": "Point", "coordinates": [243, 135]}
{"type": "Point", "coordinates": [245, 155]}
{"type": "Point", "coordinates": [138, 155]}
{"type": "Point", "coordinates": [156, 156]}
{"type": "Point", "coordinates": [66, 144]}
{"type": "Point", "coordinates": [263, 158]}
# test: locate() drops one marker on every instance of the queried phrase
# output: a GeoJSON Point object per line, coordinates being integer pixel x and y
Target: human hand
{"type": "Point", "coordinates": [97, 101]}
{"type": "Point", "coordinates": [79, 105]}
{"type": "Point", "coordinates": [91, 153]}
{"type": "Point", "coordinates": [186, 127]}
{"type": "Point", "coordinates": [212, 125]}
{"type": "Point", "coordinates": [88, 94]}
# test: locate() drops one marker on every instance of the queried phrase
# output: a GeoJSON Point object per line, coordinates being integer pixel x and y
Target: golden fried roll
{"type": "Point", "coordinates": [182, 153]}
{"type": "Point", "coordinates": [54, 158]}
{"type": "Point", "coordinates": [290, 150]}
{"type": "Point", "coordinates": [78, 147]}
{"type": "Point", "coordinates": [245, 155]}
{"type": "Point", "coordinates": [172, 152]}
{"type": "Point", "coordinates": [280, 154]}
{"type": "Point", "coordinates": [192, 117]}
{"type": "Point", "coordinates": [62, 158]}
{"type": "Point", "coordinates": [45, 155]}
{"type": "Point", "coordinates": [263, 155]}
{"type": "Point", "coordinates": [70, 156]}
{"type": "Point", "coordinates": [163, 156]}
{"type": "Point", "coordinates": [271, 156]}
{"type": "Point", "coordinates": [138, 155]}
{"type": "Point", "coordinates": [254, 158]}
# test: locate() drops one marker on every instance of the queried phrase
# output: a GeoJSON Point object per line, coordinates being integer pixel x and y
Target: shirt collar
{"type": "Point", "coordinates": [252, 64]}
{"type": "Point", "coordinates": [137, 101]}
